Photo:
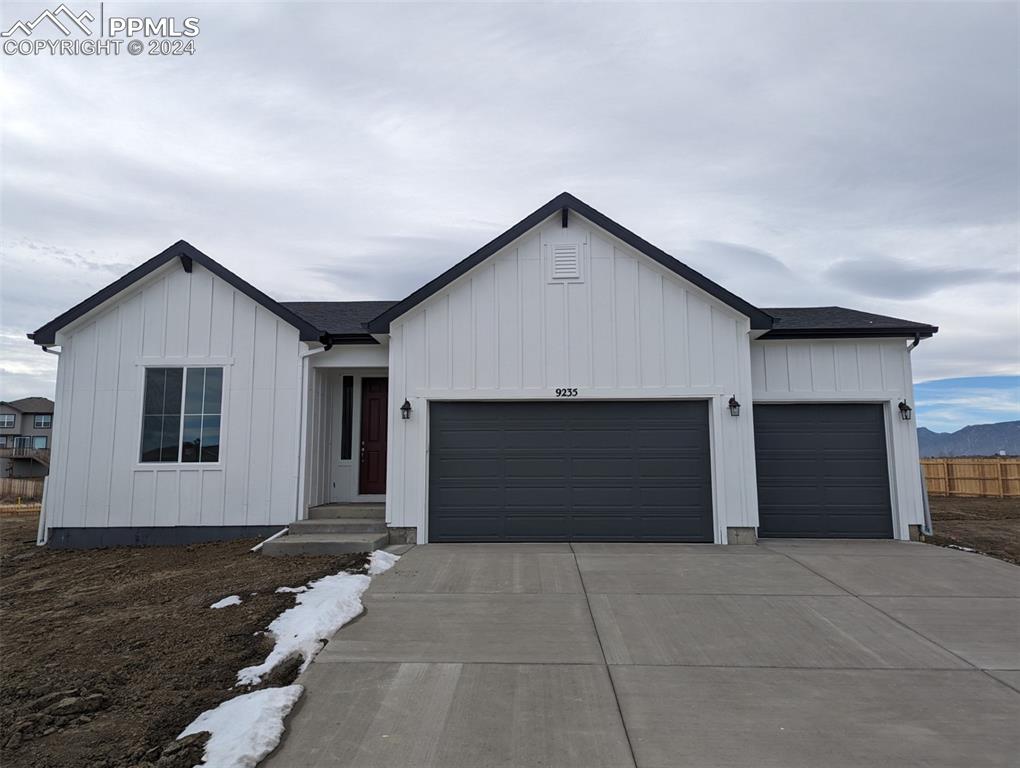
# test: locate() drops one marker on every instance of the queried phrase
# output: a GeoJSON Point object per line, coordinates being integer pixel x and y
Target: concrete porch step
{"type": "Point", "coordinates": [325, 544]}
{"type": "Point", "coordinates": [339, 525]}
{"type": "Point", "coordinates": [337, 511]}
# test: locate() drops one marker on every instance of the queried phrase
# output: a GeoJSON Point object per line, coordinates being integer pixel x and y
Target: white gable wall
{"type": "Point", "coordinates": [851, 371]}
{"type": "Point", "coordinates": [628, 329]}
{"type": "Point", "coordinates": [188, 319]}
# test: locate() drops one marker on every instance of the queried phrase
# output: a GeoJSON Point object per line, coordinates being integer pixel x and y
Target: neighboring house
{"type": "Point", "coordinates": [567, 381]}
{"type": "Point", "coordinates": [25, 429]}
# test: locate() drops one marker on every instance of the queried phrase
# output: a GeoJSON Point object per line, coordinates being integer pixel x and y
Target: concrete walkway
{"type": "Point", "coordinates": [788, 654]}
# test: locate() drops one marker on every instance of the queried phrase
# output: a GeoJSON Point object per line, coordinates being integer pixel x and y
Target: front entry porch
{"type": "Point", "coordinates": [342, 486]}
{"type": "Point", "coordinates": [347, 436]}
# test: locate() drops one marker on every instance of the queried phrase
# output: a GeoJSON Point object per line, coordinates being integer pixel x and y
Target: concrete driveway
{"type": "Point", "coordinates": [787, 654]}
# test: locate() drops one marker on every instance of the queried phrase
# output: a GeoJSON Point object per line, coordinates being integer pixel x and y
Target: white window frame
{"type": "Point", "coordinates": [180, 432]}
{"type": "Point", "coordinates": [4, 417]}
{"type": "Point", "coordinates": [47, 425]}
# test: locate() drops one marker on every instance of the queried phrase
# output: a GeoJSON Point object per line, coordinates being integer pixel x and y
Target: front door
{"type": "Point", "coordinates": [372, 476]}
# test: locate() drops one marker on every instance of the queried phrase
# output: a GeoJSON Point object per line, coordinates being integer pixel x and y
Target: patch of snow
{"type": "Point", "coordinates": [962, 549]}
{"type": "Point", "coordinates": [227, 602]}
{"type": "Point", "coordinates": [246, 728]}
{"type": "Point", "coordinates": [381, 561]}
{"type": "Point", "coordinates": [329, 603]}
{"type": "Point", "coordinates": [322, 608]}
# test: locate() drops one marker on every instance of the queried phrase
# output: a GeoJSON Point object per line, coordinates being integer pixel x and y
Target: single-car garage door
{"type": "Point", "coordinates": [822, 471]}
{"type": "Point", "coordinates": [569, 471]}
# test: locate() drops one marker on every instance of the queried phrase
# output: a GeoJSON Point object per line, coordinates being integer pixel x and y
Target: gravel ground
{"type": "Point", "coordinates": [106, 655]}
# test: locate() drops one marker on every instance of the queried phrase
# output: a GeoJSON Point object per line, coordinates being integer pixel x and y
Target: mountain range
{"type": "Point", "coordinates": [975, 440]}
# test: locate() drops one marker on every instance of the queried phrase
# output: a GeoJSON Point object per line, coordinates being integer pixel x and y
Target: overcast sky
{"type": "Point", "coordinates": [864, 155]}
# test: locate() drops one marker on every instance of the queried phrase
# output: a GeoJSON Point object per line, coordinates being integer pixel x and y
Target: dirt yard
{"type": "Point", "coordinates": [989, 525]}
{"type": "Point", "coordinates": [106, 655]}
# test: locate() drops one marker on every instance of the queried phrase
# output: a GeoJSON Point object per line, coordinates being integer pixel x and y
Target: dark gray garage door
{"type": "Point", "coordinates": [569, 471]}
{"type": "Point", "coordinates": [822, 471]}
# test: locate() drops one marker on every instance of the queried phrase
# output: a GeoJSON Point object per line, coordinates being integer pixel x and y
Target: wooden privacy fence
{"type": "Point", "coordinates": [25, 488]}
{"type": "Point", "coordinates": [968, 476]}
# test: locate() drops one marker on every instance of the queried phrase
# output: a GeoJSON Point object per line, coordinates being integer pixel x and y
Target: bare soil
{"type": "Point", "coordinates": [106, 655]}
{"type": "Point", "coordinates": [989, 525]}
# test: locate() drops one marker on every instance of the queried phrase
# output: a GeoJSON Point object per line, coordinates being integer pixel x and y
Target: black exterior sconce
{"type": "Point", "coordinates": [905, 410]}
{"type": "Point", "coordinates": [405, 410]}
{"type": "Point", "coordinates": [734, 406]}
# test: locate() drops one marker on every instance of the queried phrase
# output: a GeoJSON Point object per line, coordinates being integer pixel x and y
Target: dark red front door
{"type": "Point", "coordinates": [372, 478]}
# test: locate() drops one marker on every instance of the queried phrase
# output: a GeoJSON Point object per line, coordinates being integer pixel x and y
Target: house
{"type": "Point", "coordinates": [567, 381]}
{"type": "Point", "coordinates": [25, 427]}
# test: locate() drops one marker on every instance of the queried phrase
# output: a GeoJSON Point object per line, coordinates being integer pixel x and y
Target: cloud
{"type": "Point", "coordinates": [891, 278]}
{"type": "Point", "coordinates": [855, 154]}
{"type": "Point", "coordinates": [737, 257]}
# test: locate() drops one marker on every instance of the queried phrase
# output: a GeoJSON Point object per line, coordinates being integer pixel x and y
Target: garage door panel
{"type": "Point", "coordinates": [529, 526]}
{"type": "Point", "coordinates": [472, 527]}
{"type": "Point", "coordinates": [550, 495]}
{"type": "Point", "coordinates": [518, 468]}
{"type": "Point", "coordinates": [858, 496]}
{"type": "Point", "coordinates": [583, 471]}
{"type": "Point", "coordinates": [822, 471]}
{"type": "Point", "coordinates": [614, 498]}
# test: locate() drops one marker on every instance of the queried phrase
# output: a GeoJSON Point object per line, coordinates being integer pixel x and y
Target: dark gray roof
{"type": "Point", "coordinates": [820, 322]}
{"type": "Point", "coordinates": [31, 405]}
{"type": "Point", "coordinates": [339, 318]}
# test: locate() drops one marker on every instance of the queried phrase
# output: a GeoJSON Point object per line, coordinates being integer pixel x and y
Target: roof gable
{"type": "Point", "coordinates": [187, 253]}
{"type": "Point", "coordinates": [564, 202]}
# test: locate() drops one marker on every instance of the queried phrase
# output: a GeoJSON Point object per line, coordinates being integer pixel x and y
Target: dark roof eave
{"type": "Point", "coordinates": [46, 335]}
{"type": "Point", "coordinates": [924, 332]}
{"type": "Point", "coordinates": [759, 320]}
{"type": "Point", "coordinates": [350, 338]}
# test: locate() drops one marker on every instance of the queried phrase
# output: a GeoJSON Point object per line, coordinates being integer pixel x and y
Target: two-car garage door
{"type": "Point", "coordinates": [569, 471]}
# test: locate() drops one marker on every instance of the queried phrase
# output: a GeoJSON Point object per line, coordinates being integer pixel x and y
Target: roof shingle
{"type": "Point", "coordinates": [839, 321]}
{"type": "Point", "coordinates": [339, 318]}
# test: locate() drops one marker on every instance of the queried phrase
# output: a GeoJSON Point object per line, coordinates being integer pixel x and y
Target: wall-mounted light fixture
{"type": "Point", "coordinates": [734, 406]}
{"type": "Point", "coordinates": [405, 410]}
{"type": "Point", "coordinates": [905, 410]}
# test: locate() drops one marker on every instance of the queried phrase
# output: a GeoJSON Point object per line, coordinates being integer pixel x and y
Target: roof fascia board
{"type": "Point", "coordinates": [337, 339]}
{"type": "Point", "coordinates": [758, 318]}
{"type": "Point", "coordinates": [851, 333]}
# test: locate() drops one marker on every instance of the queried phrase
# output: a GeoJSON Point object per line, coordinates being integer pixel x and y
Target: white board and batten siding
{"type": "Point", "coordinates": [625, 328]}
{"type": "Point", "coordinates": [851, 371]}
{"type": "Point", "coordinates": [175, 318]}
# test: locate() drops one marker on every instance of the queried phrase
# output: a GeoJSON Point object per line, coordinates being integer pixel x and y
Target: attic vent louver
{"type": "Point", "coordinates": [566, 262]}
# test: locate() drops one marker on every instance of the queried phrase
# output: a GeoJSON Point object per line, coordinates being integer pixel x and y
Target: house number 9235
{"type": "Point", "coordinates": [566, 392]}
